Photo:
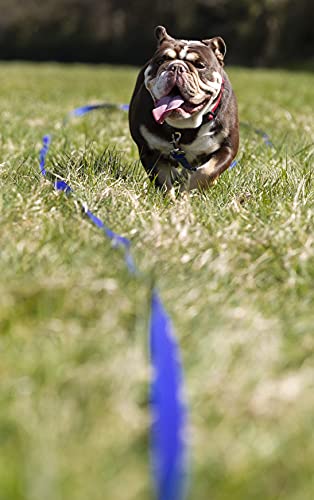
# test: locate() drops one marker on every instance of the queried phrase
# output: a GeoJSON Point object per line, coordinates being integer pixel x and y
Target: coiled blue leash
{"type": "Point", "coordinates": [168, 411]}
{"type": "Point", "coordinates": [60, 185]}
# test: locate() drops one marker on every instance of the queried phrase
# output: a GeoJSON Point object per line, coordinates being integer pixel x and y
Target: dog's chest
{"type": "Point", "coordinates": [206, 141]}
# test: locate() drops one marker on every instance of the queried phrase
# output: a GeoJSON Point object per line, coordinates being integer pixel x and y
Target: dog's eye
{"type": "Point", "coordinates": [199, 65]}
{"type": "Point", "coordinates": [161, 60]}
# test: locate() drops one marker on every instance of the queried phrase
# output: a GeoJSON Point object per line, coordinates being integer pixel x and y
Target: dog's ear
{"type": "Point", "coordinates": [162, 35]}
{"type": "Point", "coordinates": [218, 46]}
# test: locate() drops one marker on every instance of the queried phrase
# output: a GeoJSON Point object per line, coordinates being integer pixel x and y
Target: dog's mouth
{"type": "Point", "coordinates": [175, 102]}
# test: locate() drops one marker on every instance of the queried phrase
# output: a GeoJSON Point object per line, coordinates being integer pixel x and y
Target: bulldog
{"type": "Point", "coordinates": [183, 113]}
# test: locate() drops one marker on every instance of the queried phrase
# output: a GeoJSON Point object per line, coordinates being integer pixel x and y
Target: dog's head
{"type": "Point", "coordinates": [184, 78]}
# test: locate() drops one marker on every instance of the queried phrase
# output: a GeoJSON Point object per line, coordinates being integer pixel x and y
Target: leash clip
{"type": "Point", "coordinates": [175, 139]}
{"type": "Point", "coordinates": [178, 154]}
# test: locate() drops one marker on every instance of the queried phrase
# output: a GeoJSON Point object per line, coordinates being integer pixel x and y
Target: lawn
{"type": "Point", "coordinates": [234, 267]}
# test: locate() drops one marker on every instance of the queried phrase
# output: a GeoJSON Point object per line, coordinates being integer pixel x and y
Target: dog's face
{"type": "Point", "coordinates": [184, 78]}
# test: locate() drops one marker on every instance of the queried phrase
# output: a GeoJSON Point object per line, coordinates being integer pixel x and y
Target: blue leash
{"type": "Point", "coordinates": [260, 132]}
{"type": "Point", "coordinates": [169, 457]}
{"type": "Point", "coordinates": [169, 412]}
{"type": "Point", "coordinates": [179, 155]}
{"type": "Point", "coordinates": [60, 185]}
{"type": "Point", "coordinates": [82, 110]}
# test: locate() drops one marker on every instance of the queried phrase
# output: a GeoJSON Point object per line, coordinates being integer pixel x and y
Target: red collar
{"type": "Point", "coordinates": [212, 113]}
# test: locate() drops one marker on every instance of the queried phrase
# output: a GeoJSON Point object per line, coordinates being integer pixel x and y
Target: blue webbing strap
{"type": "Point", "coordinates": [169, 425]}
{"type": "Point", "coordinates": [60, 185]}
{"type": "Point", "coordinates": [169, 414]}
{"type": "Point", "coordinates": [82, 110]}
{"type": "Point", "coordinates": [180, 157]}
{"type": "Point", "coordinates": [260, 132]}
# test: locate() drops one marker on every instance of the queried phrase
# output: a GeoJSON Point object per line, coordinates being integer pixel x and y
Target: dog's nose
{"type": "Point", "coordinates": [177, 67]}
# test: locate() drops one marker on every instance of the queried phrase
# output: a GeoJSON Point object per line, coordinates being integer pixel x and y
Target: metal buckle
{"type": "Point", "coordinates": [178, 154]}
{"type": "Point", "coordinates": [176, 137]}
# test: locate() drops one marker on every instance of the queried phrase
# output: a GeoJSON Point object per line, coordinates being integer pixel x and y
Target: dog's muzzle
{"type": "Point", "coordinates": [177, 67]}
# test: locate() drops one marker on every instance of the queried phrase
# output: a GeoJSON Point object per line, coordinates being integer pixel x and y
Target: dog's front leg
{"type": "Point", "coordinates": [207, 174]}
{"type": "Point", "coordinates": [160, 172]}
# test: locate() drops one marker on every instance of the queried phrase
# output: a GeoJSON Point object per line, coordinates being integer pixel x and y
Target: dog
{"type": "Point", "coordinates": [183, 113]}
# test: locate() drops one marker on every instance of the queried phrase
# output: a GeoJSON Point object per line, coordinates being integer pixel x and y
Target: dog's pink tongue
{"type": "Point", "coordinates": [165, 105]}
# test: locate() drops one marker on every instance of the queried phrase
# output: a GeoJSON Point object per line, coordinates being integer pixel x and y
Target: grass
{"type": "Point", "coordinates": [236, 279]}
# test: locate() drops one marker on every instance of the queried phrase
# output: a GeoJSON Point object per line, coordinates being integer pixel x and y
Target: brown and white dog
{"type": "Point", "coordinates": [183, 100]}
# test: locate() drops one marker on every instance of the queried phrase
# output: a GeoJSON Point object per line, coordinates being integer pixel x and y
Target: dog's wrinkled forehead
{"type": "Point", "coordinates": [211, 52]}
{"type": "Point", "coordinates": [191, 52]}
{"type": "Point", "coordinates": [184, 50]}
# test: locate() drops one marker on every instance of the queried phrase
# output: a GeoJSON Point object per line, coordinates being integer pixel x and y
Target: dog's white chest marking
{"type": "Point", "coordinates": [154, 142]}
{"type": "Point", "coordinates": [206, 142]}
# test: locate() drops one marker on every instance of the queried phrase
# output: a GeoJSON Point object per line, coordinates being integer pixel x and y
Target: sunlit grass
{"type": "Point", "coordinates": [234, 267]}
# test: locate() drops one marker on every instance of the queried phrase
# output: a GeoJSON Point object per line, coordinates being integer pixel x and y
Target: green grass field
{"type": "Point", "coordinates": [234, 268]}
